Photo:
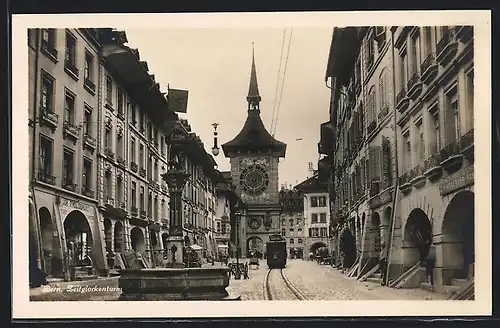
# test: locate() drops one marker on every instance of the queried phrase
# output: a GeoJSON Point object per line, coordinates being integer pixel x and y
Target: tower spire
{"type": "Point", "coordinates": [253, 97]}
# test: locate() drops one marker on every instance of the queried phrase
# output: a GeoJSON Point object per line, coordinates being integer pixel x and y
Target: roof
{"type": "Point", "coordinates": [311, 185]}
{"type": "Point", "coordinates": [343, 48]}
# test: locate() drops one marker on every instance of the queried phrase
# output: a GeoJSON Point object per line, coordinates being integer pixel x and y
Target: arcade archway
{"type": "Point", "coordinates": [458, 236]}
{"type": "Point", "coordinates": [79, 239]}
{"type": "Point", "coordinates": [49, 245]}
{"type": "Point", "coordinates": [417, 237]}
{"type": "Point", "coordinates": [375, 233]}
{"type": "Point", "coordinates": [119, 232]}
{"type": "Point", "coordinates": [348, 247]}
{"type": "Point", "coordinates": [108, 227]}
{"type": "Point", "coordinates": [255, 244]}
{"type": "Point", "coordinates": [385, 225]}
{"type": "Point", "coordinates": [314, 247]}
{"type": "Point", "coordinates": [137, 240]}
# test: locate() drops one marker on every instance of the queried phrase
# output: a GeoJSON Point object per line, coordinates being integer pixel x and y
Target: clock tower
{"type": "Point", "coordinates": [254, 156]}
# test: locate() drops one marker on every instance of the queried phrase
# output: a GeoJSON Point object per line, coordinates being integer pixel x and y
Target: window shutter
{"type": "Point", "coordinates": [386, 162]}
{"type": "Point", "coordinates": [375, 163]}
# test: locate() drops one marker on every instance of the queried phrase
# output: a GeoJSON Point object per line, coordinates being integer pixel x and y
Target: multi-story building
{"type": "Point", "coordinates": [225, 197]}
{"type": "Point", "coordinates": [316, 213]}
{"type": "Point", "coordinates": [292, 221]}
{"type": "Point", "coordinates": [402, 107]}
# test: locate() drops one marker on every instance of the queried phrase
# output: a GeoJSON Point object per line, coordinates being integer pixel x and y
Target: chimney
{"type": "Point", "coordinates": [311, 170]}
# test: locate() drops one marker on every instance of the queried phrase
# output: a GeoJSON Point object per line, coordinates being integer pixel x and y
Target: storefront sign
{"type": "Point", "coordinates": [68, 205]}
{"type": "Point", "coordinates": [458, 180]}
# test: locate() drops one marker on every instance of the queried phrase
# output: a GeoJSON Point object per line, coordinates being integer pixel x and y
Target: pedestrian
{"type": "Point", "coordinates": [383, 262]}
{"type": "Point", "coordinates": [430, 264]}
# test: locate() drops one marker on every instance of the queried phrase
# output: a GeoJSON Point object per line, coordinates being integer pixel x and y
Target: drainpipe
{"type": "Point", "coordinates": [396, 178]}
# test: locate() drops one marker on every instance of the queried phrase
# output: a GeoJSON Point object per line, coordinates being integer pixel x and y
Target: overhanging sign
{"type": "Point", "coordinates": [177, 100]}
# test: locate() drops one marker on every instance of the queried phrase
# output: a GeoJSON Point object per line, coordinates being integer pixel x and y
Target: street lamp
{"type": "Point", "coordinates": [215, 148]}
{"type": "Point", "coordinates": [237, 213]}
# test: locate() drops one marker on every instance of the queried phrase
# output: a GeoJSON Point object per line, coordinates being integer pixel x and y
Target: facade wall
{"type": "Point", "coordinates": [315, 231]}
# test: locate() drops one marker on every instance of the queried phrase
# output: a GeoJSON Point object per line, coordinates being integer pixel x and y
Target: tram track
{"type": "Point", "coordinates": [270, 292]}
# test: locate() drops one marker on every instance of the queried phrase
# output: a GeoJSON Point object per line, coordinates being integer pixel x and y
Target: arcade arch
{"type": "Point", "coordinates": [255, 243]}
{"type": "Point", "coordinates": [417, 237]}
{"type": "Point", "coordinates": [79, 239]}
{"type": "Point", "coordinates": [375, 232]}
{"type": "Point", "coordinates": [108, 237]}
{"type": "Point", "coordinates": [137, 240]}
{"type": "Point", "coordinates": [49, 244]}
{"type": "Point", "coordinates": [458, 237]}
{"type": "Point", "coordinates": [119, 236]}
{"type": "Point", "coordinates": [348, 248]}
{"type": "Point", "coordinates": [314, 247]}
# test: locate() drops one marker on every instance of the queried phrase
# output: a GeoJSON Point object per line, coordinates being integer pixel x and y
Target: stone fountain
{"type": "Point", "coordinates": [175, 281]}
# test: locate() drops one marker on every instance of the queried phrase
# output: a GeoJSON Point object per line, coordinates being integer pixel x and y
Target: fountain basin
{"type": "Point", "coordinates": [169, 284]}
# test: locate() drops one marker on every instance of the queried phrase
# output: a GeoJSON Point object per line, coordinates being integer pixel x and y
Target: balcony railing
{"type": "Point", "coordinates": [133, 166]}
{"type": "Point", "coordinates": [134, 211]}
{"type": "Point", "coordinates": [433, 161]}
{"type": "Point", "coordinates": [71, 130]}
{"type": "Point", "coordinates": [109, 153]}
{"type": "Point", "coordinates": [50, 118]}
{"type": "Point", "coordinates": [428, 68]}
{"type": "Point", "coordinates": [450, 150]}
{"type": "Point", "coordinates": [402, 101]}
{"type": "Point", "coordinates": [467, 140]}
{"type": "Point", "coordinates": [69, 185]}
{"type": "Point", "coordinates": [447, 46]}
{"type": "Point", "coordinates": [414, 86]}
{"type": "Point", "coordinates": [46, 177]}
{"type": "Point", "coordinates": [86, 191]}
{"type": "Point", "coordinates": [448, 37]}
{"type": "Point", "coordinates": [89, 142]}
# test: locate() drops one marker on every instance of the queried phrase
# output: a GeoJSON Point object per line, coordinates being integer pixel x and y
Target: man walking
{"type": "Point", "coordinates": [430, 263]}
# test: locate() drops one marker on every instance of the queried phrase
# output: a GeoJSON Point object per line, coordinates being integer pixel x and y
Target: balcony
{"type": "Point", "coordinates": [109, 153]}
{"type": "Point", "coordinates": [71, 69]}
{"type": "Point", "coordinates": [71, 131]}
{"type": "Point", "coordinates": [69, 185]}
{"type": "Point", "coordinates": [49, 118]}
{"type": "Point", "coordinates": [142, 172]}
{"type": "Point", "coordinates": [432, 167]}
{"type": "Point", "coordinates": [447, 47]}
{"type": "Point", "coordinates": [89, 85]}
{"type": "Point", "coordinates": [86, 191]}
{"type": "Point", "coordinates": [451, 157]}
{"type": "Point", "coordinates": [134, 211]}
{"type": "Point", "coordinates": [467, 145]}
{"type": "Point", "coordinates": [428, 69]}
{"type": "Point", "coordinates": [121, 161]}
{"type": "Point", "coordinates": [110, 202]}
{"type": "Point", "coordinates": [134, 167]}
{"type": "Point", "coordinates": [46, 178]}
{"type": "Point", "coordinates": [89, 142]}
{"type": "Point", "coordinates": [404, 183]}
{"type": "Point", "coordinates": [414, 86]}
{"type": "Point", "coordinates": [402, 101]}
{"type": "Point", "coordinates": [417, 177]}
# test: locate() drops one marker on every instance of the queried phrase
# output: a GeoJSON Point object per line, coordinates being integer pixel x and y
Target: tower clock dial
{"type": "Point", "coordinates": [254, 179]}
{"type": "Point", "coordinates": [255, 223]}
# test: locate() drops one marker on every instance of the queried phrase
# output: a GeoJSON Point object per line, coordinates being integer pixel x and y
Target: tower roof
{"type": "Point", "coordinates": [254, 137]}
{"type": "Point", "coordinates": [253, 88]}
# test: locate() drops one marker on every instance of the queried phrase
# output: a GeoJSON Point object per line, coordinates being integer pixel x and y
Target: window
{"type": "Point", "coordinates": [141, 156]}
{"type": "Point", "coordinates": [427, 49]}
{"type": "Point", "coordinates": [358, 73]}
{"type": "Point", "coordinates": [371, 107]}
{"type": "Point", "coordinates": [369, 51]}
{"type": "Point", "coordinates": [89, 67]}
{"type": "Point", "coordinates": [47, 99]}
{"type": "Point", "coordinates": [322, 201]}
{"type": "Point", "coordinates": [156, 171]}
{"type": "Point", "coordinates": [68, 167]}
{"type": "Point", "coordinates": [109, 90]}
{"type": "Point", "coordinates": [49, 40]}
{"type": "Point", "coordinates": [407, 150]}
{"type": "Point", "coordinates": [419, 132]}
{"type": "Point", "coordinates": [452, 118]}
{"type": "Point", "coordinates": [109, 187]}
{"type": "Point", "coordinates": [87, 121]}
{"type": "Point", "coordinates": [283, 232]}
{"type": "Point", "coordinates": [107, 139]}
{"type": "Point", "coordinates": [132, 113]}
{"type": "Point", "coordinates": [415, 54]}
{"type": "Point", "coordinates": [69, 108]}
{"type": "Point", "coordinates": [45, 156]}
{"type": "Point", "coordinates": [119, 100]}
{"type": "Point", "coordinates": [384, 98]}
{"type": "Point", "coordinates": [155, 210]}
{"type": "Point", "coordinates": [299, 240]}
{"type": "Point", "coordinates": [87, 174]}
{"type": "Point", "coordinates": [323, 232]}
{"type": "Point", "coordinates": [314, 218]}
{"type": "Point", "coordinates": [314, 232]}
{"type": "Point", "coordinates": [134, 200]}
{"type": "Point", "coordinates": [322, 217]}
{"type": "Point", "coordinates": [132, 149]}
{"type": "Point", "coordinates": [119, 189]}
{"type": "Point", "coordinates": [162, 145]}
{"type": "Point", "coordinates": [314, 201]}
{"type": "Point", "coordinates": [119, 146]}
{"type": "Point", "coordinates": [218, 227]}
{"type": "Point", "coordinates": [435, 131]}
{"type": "Point", "coordinates": [469, 90]}
{"type": "Point", "coordinates": [155, 137]}
{"type": "Point", "coordinates": [291, 241]}
{"type": "Point", "coordinates": [142, 199]}
{"type": "Point", "coordinates": [70, 59]}
{"type": "Point", "coordinates": [403, 69]}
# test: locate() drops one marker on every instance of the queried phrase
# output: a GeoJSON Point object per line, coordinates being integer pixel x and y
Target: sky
{"type": "Point", "coordinates": [214, 66]}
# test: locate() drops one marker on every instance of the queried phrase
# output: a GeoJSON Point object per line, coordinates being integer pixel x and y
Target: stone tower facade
{"type": "Point", "coordinates": [254, 156]}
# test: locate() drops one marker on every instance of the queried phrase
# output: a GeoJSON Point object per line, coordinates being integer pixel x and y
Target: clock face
{"type": "Point", "coordinates": [254, 179]}
{"type": "Point", "coordinates": [254, 223]}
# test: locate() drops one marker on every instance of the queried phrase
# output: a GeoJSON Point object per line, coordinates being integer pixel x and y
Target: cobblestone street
{"type": "Point", "coordinates": [315, 282]}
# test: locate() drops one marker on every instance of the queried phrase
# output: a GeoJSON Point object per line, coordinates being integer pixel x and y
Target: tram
{"type": "Point", "coordinates": [276, 253]}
